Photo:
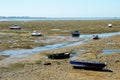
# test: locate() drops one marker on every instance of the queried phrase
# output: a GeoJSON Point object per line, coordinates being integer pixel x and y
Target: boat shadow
{"type": "Point", "coordinates": [106, 70]}
{"type": "Point", "coordinates": [102, 70]}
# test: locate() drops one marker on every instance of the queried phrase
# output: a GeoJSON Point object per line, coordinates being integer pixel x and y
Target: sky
{"type": "Point", "coordinates": [60, 8]}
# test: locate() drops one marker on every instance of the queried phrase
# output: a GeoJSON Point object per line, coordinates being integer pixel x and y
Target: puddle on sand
{"type": "Point", "coordinates": [108, 51]}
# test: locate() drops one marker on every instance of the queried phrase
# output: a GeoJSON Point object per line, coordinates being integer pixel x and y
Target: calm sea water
{"type": "Point", "coordinates": [61, 18]}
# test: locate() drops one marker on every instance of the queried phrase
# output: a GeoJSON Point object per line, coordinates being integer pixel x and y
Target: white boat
{"type": "Point", "coordinates": [15, 27]}
{"type": "Point", "coordinates": [36, 33]}
{"type": "Point", "coordinates": [109, 25]}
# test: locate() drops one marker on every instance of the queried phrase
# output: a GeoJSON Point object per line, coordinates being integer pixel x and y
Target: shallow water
{"type": "Point", "coordinates": [19, 53]}
{"type": "Point", "coordinates": [102, 35]}
{"type": "Point", "coordinates": [85, 38]}
{"type": "Point", "coordinates": [108, 51]}
{"type": "Point", "coordinates": [74, 56]}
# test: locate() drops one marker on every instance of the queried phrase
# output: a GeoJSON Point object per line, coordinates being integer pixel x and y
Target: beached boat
{"type": "Point", "coordinates": [96, 37]}
{"type": "Point", "coordinates": [36, 33]}
{"type": "Point", "coordinates": [87, 65]}
{"type": "Point", "coordinates": [59, 55]}
{"type": "Point", "coordinates": [75, 33]}
{"type": "Point", "coordinates": [109, 25]}
{"type": "Point", "coordinates": [15, 27]}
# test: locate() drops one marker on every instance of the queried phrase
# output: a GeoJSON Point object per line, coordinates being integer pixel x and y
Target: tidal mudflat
{"type": "Point", "coordinates": [32, 67]}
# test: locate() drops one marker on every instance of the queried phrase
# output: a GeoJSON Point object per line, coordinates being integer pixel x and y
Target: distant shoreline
{"type": "Point", "coordinates": [2, 18]}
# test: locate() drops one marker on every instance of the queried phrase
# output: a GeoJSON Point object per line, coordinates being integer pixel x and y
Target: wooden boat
{"type": "Point", "coordinates": [36, 34]}
{"type": "Point", "coordinates": [87, 65]}
{"type": "Point", "coordinates": [75, 33]}
{"type": "Point", "coordinates": [59, 55]}
{"type": "Point", "coordinates": [15, 27]}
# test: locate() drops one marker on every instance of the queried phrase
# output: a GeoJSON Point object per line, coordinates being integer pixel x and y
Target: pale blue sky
{"type": "Point", "coordinates": [60, 8]}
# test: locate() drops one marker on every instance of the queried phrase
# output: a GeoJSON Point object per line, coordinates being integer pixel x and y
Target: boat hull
{"type": "Point", "coordinates": [75, 33]}
{"type": "Point", "coordinates": [15, 28]}
{"type": "Point", "coordinates": [37, 35]}
{"type": "Point", "coordinates": [87, 65]}
{"type": "Point", "coordinates": [59, 56]}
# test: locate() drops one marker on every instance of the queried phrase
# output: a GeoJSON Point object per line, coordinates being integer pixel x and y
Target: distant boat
{"type": "Point", "coordinates": [15, 27]}
{"type": "Point", "coordinates": [75, 33]}
{"type": "Point", "coordinates": [36, 33]}
{"type": "Point", "coordinates": [87, 65]}
{"type": "Point", "coordinates": [96, 37]}
{"type": "Point", "coordinates": [109, 25]}
{"type": "Point", "coordinates": [59, 55]}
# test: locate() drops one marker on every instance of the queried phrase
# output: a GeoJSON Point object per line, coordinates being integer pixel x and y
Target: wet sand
{"type": "Point", "coordinates": [34, 68]}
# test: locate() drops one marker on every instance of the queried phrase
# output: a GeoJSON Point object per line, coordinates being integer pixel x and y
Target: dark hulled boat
{"type": "Point", "coordinates": [88, 65]}
{"type": "Point", "coordinates": [75, 33]}
{"type": "Point", "coordinates": [59, 55]}
{"type": "Point", "coordinates": [95, 37]}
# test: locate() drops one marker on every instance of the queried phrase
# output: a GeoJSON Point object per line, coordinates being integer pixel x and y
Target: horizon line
{"type": "Point", "coordinates": [64, 17]}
